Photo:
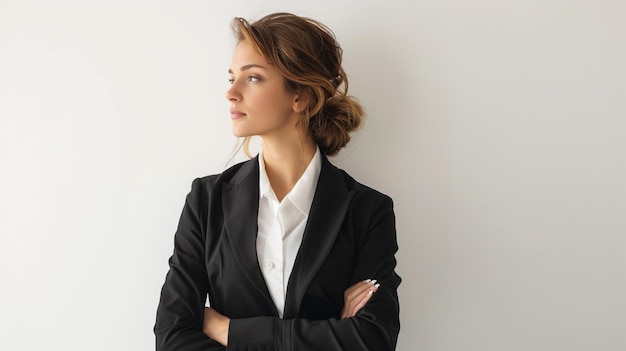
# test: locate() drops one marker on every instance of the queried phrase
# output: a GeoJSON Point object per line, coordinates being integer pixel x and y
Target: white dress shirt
{"type": "Point", "coordinates": [281, 226]}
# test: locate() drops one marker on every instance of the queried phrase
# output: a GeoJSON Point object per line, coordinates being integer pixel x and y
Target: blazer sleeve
{"type": "Point", "coordinates": [375, 327]}
{"type": "Point", "coordinates": [180, 312]}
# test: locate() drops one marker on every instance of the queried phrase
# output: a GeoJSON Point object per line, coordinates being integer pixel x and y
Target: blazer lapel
{"type": "Point", "coordinates": [328, 211]}
{"type": "Point", "coordinates": [240, 201]}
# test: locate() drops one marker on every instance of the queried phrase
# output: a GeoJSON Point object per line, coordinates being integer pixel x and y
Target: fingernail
{"type": "Point", "coordinates": [373, 281]}
{"type": "Point", "coordinates": [370, 292]}
{"type": "Point", "coordinates": [377, 286]}
{"type": "Point", "coordinates": [368, 280]}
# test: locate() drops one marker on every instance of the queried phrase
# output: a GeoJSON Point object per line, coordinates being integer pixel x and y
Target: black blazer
{"type": "Point", "coordinates": [350, 236]}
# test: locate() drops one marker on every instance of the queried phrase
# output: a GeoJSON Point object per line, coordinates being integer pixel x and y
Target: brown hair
{"type": "Point", "coordinates": [309, 57]}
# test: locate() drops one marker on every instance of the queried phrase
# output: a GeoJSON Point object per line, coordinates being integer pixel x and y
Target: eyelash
{"type": "Point", "coordinates": [251, 78]}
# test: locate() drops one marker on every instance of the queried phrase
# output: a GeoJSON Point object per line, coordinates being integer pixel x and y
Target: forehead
{"type": "Point", "coordinates": [246, 54]}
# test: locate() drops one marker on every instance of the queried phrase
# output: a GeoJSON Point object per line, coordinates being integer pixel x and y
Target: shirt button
{"type": "Point", "coordinates": [269, 266]}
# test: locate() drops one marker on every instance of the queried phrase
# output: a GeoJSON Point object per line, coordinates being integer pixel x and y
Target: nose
{"type": "Point", "coordinates": [233, 94]}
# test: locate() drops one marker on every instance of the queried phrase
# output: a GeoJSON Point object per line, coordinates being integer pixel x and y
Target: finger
{"type": "Point", "coordinates": [359, 288]}
{"type": "Point", "coordinates": [356, 301]}
{"type": "Point", "coordinates": [344, 313]}
{"type": "Point", "coordinates": [351, 293]}
{"type": "Point", "coordinates": [352, 309]}
{"type": "Point", "coordinates": [363, 301]}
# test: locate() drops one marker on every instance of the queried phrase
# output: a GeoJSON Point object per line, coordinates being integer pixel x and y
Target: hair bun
{"type": "Point", "coordinates": [332, 125]}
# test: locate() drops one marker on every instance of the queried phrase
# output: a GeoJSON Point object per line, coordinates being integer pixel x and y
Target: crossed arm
{"type": "Point", "coordinates": [216, 325]}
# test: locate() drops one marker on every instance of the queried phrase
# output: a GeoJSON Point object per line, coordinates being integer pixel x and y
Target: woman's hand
{"type": "Point", "coordinates": [216, 325]}
{"type": "Point", "coordinates": [356, 296]}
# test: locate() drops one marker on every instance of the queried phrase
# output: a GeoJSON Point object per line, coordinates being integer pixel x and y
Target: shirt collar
{"type": "Point", "coordinates": [302, 193]}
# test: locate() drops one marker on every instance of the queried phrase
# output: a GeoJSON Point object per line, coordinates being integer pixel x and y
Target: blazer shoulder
{"type": "Point", "coordinates": [206, 192]}
{"type": "Point", "coordinates": [361, 191]}
{"type": "Point", "coordinates": [210, 182]}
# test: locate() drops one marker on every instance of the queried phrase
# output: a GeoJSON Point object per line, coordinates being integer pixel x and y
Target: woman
{"type": "Point", "coordinates": [293, 253]}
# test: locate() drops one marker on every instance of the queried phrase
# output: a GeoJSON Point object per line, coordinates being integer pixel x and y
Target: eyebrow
{"type": "Point", "coordinates": [246, 67]}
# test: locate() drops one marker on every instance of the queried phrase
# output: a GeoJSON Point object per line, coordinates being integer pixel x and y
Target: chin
{"type": "Point", "coordinates": [236, 132]}
{"type": "Point", "coordinates": [240, 134]}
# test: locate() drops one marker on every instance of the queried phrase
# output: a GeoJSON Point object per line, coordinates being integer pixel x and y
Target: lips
{"type": "Point", "coordinates": [235, 114]}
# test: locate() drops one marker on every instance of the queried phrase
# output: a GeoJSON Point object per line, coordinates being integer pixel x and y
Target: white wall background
{"type": "Point", "coordinates": [498, 127]}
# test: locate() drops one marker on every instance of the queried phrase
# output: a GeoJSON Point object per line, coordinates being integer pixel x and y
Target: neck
{"type": "Point", "coordinates": [285, 162]}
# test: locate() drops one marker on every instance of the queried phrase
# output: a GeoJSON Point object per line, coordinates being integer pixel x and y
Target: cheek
{"type": "Point", "coordinates": [272, 103]}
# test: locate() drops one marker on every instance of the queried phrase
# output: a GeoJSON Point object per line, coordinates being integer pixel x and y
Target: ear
{"type": "Point", "coordinates": [300, 102]}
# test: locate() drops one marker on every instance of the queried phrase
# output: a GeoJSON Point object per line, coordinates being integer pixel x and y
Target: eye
{"type": "Point", "coordinates": [231, 80]}
{"type": "Point", "coordinates": [253, 78]}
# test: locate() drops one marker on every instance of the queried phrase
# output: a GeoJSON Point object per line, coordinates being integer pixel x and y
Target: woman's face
{"type": "Point", "coordinates": [260, 104]}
